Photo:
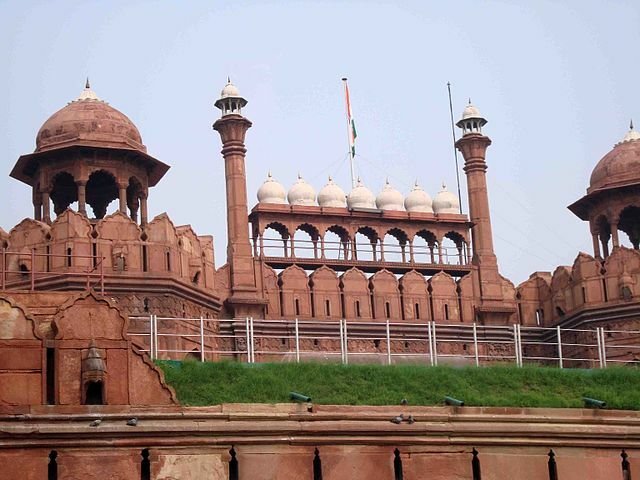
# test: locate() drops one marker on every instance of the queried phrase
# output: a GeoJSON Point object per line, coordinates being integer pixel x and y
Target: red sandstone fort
{"type": "Point", "coordinates": [84, 295]}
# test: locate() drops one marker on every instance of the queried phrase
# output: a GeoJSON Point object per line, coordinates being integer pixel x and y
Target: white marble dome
{"type": "Point", "coordinates": [470, 111]}
{"type": "Point", "coordinates": [446, 202]}
{"type": "Point", "coordinates": [631, 135]}
{"type": "Point", "coordinates": [361, 197]}
{"type": "Point", "coordinates": [301, 193]}
{"type": "Point", "coordinates": [331, 195]}
{"type": "Point", "coordinates": [418, 200]}
{"type": "Point", "coordinates": [229, 90]}
{"type": "Point", "coordinates": [389, 198]}
{"type": "Point", "coordinates": [271, 191]}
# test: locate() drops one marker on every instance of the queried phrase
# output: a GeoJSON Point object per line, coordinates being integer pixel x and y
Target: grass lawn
{"type": "Point", "coordinates": [225, 382]}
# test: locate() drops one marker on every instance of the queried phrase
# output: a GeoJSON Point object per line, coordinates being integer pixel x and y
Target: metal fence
{"type": "Point", "coordinates": [253, 341]}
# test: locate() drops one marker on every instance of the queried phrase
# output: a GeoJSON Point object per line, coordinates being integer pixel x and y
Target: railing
{"type": "Point", "coordinates": [26, 274]}
{"type": "Point", "coordinates": [386, 342]}
{"type": "Point", "coordinates": [354, 252]}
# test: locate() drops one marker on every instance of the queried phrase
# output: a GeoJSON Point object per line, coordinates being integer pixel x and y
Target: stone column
{"type": "Point", "coordinates": [37, 206]}
{"type": "Point", "coordinates": [82, 196]}
{"type": "Point", "coordinates": [46, 208]}
{"type": "Point", "coordinates": [143, 209]}
{"type": "Point", "coordinates": [411, 256]}
{"type": "Point", "coordinates": [122, 197]}
{"type": "Point", "coordinates": [614, 235]}
{"type": "Point", "coordinates": [596, 245]}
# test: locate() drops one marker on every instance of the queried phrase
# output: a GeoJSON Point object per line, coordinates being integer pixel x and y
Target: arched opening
{"type": "Point", "coordinates": [274, 241]}
{"type": "Point", "coordinates": [64, 192]}
{"type": "Point", "coordinates": [305, 241]}
{"type": "Point", "coordinates": [630, 224]}
{"type": "Point", "coordinates": [94, 393]}
{"type": "Point", "coordinates": [366, 245]}
{"type": "Point", "coordinates": [454, 249]}
{"type": "Point", "coordinates": [101, 190]}
{"type": "Point", "coordinates": [394, 246]}
{"type": "Point", "coordinates": [134, 192]}
{"type": "Point", "coordinates": [336, 243]}
{"type": "Point", "coordinates": [424, 247]}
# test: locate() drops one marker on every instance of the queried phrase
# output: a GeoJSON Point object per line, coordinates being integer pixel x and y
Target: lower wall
{"type": "Point", "coordinates": [354, 443]}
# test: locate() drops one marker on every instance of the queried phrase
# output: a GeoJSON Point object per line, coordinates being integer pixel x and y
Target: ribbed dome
{"type": "Point", "coordinates": [229, 90]}
{"type": "Point", "coordinates": [271, 191]}
{"type": "Point", "coordinates": [418, 200]}
{"type": "Point", "coordinates": [301, 193]}
{"type": "Point", "coordinates": [331, 195]}
{"type": "Point", "coordinates": [361, 197]}
{"type": "Point", "coordinates": [88, 121]}
{"type": "Point", "coordinates": [446, 202]}
{"type": "Point", "coordinates": [389, 198]}
{"type": "Point", "coordinates": [620, 166]}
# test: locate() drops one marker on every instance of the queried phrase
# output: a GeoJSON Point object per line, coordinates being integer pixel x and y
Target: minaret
{"type": "Point", "coordinates": [232, 127]}
{"type": "Point", "coordinates": [473, 146]}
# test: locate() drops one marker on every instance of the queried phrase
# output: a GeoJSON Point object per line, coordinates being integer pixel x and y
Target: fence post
{"type": "Point", "coordinates": [253, 345]}
{"type": "Point", "coordinates": [604, 347]}
{"type": "Point", "coordinates": [155, 336]}
{"type": "Point", "coordinates": [599, 342]}
{"type": "Point", "coordinates": [151, 336]}
{"type": "Point", "coordinates": [430, 343]}
{"type": "Point", "coordinates": [388, 344]}
{"type": "Point", "coordinates": [201, 339]}
{"type": "Point", "coordinates": [33, 269]}
{"type": "Point", "coordinates": [560, 359]}
{"type": "Point", "coordinates": [435, 344]}
{"type": "Point", "coordinates": [475, 344]}
{"type": "Point", "coordinates": [341, 343]}
{"type": "Point", "coordinates": [246, 326]}
{"type": "Point", "coordinates": [515, 344]}
{"type": "Point", "coordinates": [346, 344]}
{"type": "Point", "coordinates": [297, 342]}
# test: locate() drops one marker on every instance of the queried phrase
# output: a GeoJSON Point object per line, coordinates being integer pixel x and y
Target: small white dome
{"type": "Point", "coordinates": [301, 193]}
{"type": "Point", "coordinates": [631, 134]}
{"type": "Point", "coordinates": [470, 111]}
{"type": "Point", "coordinates": [418, 200]}
{"type": "Point", "coordinates": [271, 191]}
{"type": "Point", "coordinates": [389, 198]}
{"type": "Point", "coordinates": [446, 202]}
{"type": "Point", "coordinates": [229, 90]}
{"type": "Point", "coordinates": [361, 197]}
{"type": "Point", "coordinates": [331, 195]}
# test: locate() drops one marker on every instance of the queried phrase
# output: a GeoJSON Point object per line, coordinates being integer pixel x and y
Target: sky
{"type": "Point", "coordinates": [557, 82]}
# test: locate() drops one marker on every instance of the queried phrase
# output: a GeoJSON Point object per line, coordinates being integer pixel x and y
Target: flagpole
{"type": "Point", "coordinates": [349, 134]}
{"type": "Point", "coordinates": [455, 150]}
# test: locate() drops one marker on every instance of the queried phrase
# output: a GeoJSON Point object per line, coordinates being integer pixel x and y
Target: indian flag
{"type": "Point", "coordinates": [351, 122]}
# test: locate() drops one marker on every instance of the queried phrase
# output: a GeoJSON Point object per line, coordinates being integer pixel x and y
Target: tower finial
{"type": "Point", "coordinates": [631, 124]}
{"type": "Point", "coordinates": [469, 100]}
{"type": "Point", "coordinates": [228, 79]}
{"type": "Point", "coordinates": [87, 85]}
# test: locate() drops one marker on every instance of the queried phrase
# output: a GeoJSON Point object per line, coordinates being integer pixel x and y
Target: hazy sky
{"type": "Point", "coordinates": [557, 81]}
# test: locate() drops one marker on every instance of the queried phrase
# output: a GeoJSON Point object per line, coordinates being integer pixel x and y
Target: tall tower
{"type": "Point", "coordinates": [245, 299]}
{"type": "Point", "coordinates": [473, 146]}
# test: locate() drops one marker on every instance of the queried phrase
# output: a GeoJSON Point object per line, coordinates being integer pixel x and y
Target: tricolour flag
{"type": "Point", "coordinates": [352, 124]}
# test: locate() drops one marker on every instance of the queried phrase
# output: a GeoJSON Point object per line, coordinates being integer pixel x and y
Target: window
{"type": "Point", "coordinates": [417, 311]}
{"type": "Point", "coordinates": [327, 307]}
{"type": "Point", "coordinates": [358, 308]}
{"type": "Point", "coordinates": [446, 311]}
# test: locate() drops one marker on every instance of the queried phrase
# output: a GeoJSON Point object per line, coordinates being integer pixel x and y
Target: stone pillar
{"type": "Point", "coordinates": [46, 208]}
{"type": "Point", "coordinates": [122, 197]}
{"type": "Point", "coordinates": [604, 240]}
{"type": "Point", "coordinates": [144, 215]}
{"type": "Point", "coordinates": [37, 205]}
{"type": "Point", "coordinates": [596, 245]}
{"type": "Point", "coordinates": [82, 196]}
{"type": "Point", "coordinates": [614, 235]}
{"type": "Point", "coordinates": [245, 299]}
{"type": "Point", "coordinates": [411, 255]}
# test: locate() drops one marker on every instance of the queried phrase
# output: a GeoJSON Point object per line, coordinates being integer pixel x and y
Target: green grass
{"type": "Point", "coordinates": [215, 383]}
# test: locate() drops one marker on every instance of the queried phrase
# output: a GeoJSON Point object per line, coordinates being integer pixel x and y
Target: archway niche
{"type": "Point", "coordinates": [305, 241]}
{"type": "Point", "coordinates": [336, 243]}
{"type": "Point", "coordinates": [274, 241]}
{"type": "Point", "coordinates": [454, 249]}
{"type": "Point", "coordinates": [64, 192]}
{"type": "Point", "coordinates": [394, 246]}
{"type": "Point", "coordinates": [101, 189]}
{"type": "Point", "coordinates": [366, 244]}
{"type": "Point", "coordinates": [629, 223]}
{"type": "Point", "coordinates": [425, 247]}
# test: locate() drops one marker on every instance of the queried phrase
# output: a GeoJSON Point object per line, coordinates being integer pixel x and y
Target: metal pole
{"type": "Point", "coordinates": [346, 344]}
{"type": "Point", "coordinates": [155, 335]}
{"type": "Point", "coordinates": [246, 326]}
{"type": "Point", "coordinates": [297, 342]}
{"type": "Point", "coordinates": [151, 336]}
{"type": "Point", "coordinates": [599, 342]}
{"type": "Point", "coordinates": [430, 343]}
{"type": "Point", "coordinates": [455, 150]}
{"type": "Point", "coordinates": [253, 346]}
{"type": "Point", "coordinates": [388, 345]}
{"type": "Point", "coordinates": [520, 345]}
{"type": "Point", "coordinates": [604, 347]}
{"type": "Point", "coordinates": [349, 132]}
{"type": "Point", "coordinates": [201, 339]}
{"type": "Point", "coordinates": [475, 344]}
{"type": "Point", "coordinates": [435, 344]}
{"type": "Point", "coordinates": [341, 343]}
{"type": "Point", "coordinates": [560, 360]}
